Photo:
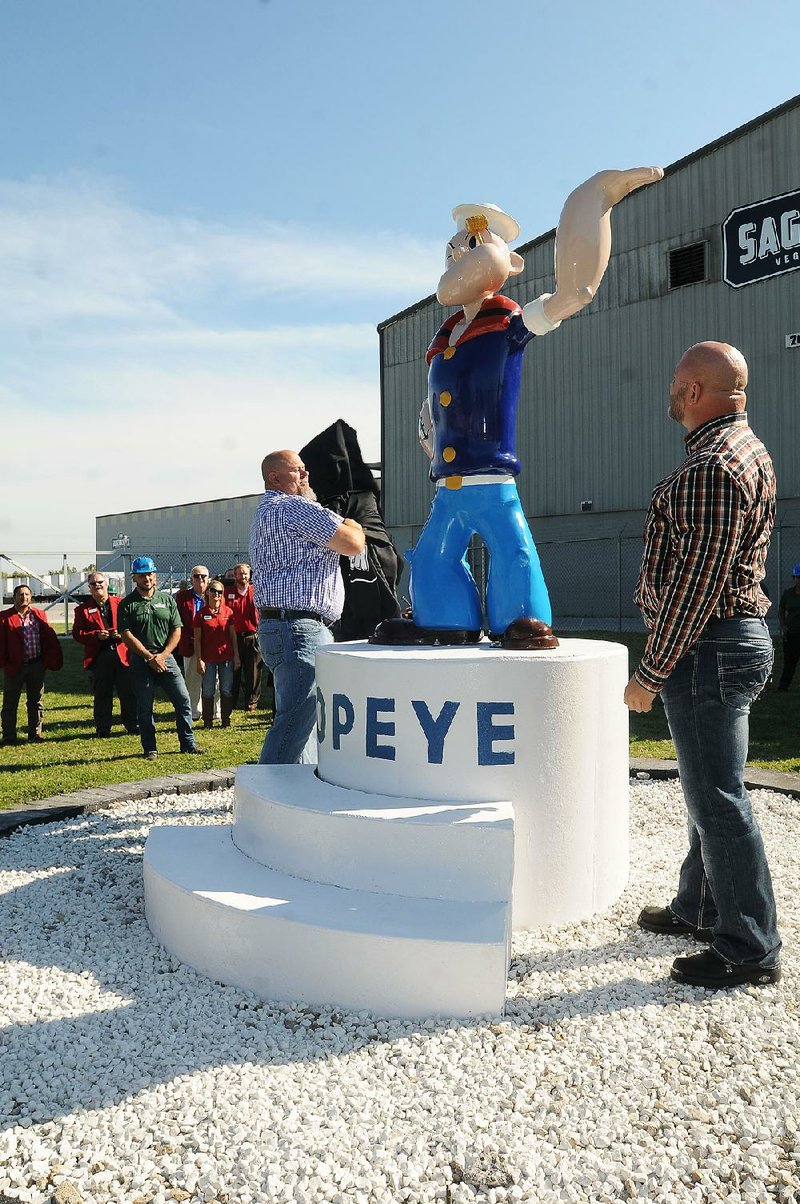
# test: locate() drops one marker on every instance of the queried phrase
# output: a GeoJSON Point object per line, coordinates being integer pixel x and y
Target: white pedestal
{"type": "Point", "coordinates": [546, 730]}
{"type": "Point", "coordinates": [384, 880]}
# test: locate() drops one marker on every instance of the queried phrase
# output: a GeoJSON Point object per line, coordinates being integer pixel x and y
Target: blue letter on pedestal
{"type": "Point", "coordinates": [343, 718]}
{"type": "Point", "coordinates": [488, 733]}
{"type": "Point", "coordinates": [435, 729]}
{"type": "Point", "coordinates": [375, 728]}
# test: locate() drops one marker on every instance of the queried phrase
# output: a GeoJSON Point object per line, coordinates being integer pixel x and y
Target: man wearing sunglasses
{"type": "Point", "coordinates": [189, 603]}
{"type": "Point", "coordinates": [105, 657]}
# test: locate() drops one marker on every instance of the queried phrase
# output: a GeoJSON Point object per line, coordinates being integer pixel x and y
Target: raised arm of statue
{"type": "Point", "coordinates": [583, 244]}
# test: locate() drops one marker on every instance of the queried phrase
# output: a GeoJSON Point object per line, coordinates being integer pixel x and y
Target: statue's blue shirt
{"type": "Point", "coordinates": [473, 390]}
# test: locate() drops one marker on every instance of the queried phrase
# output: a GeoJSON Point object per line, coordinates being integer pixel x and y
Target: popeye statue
{"type": "Point", "coordinates": [468, 421]}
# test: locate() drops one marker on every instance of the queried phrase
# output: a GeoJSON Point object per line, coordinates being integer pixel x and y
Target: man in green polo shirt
{"type": "Point", "coordinates": [150, 626]}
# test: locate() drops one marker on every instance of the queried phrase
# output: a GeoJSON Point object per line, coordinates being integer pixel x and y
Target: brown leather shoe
{"type": "Point", "coordinates": [526, 635]}
{"type": "Point", "coordinates": [405, 632]}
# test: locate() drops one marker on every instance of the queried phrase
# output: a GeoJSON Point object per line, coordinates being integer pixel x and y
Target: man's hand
{"type": "Point", "coordinates": [348, 539]}
{"type": "Point", "coordinates": [425, 429]}
{"type": "Point", "coordinates": [159, 662]}
{"type": "Point", "coordinates": [201, 667]}
{"type": "Point", "coordinates": [637, 698]}
{"type": "Point", "coordinates": [102, 635]}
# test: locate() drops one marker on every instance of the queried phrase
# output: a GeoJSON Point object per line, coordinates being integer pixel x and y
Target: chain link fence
{"type": "Point", "coordinates": [176, 557]}
{"type": "Point", "coordinates": [591, 581]}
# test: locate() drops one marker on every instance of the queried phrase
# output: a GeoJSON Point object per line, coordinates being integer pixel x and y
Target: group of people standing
{"type": "Point", "coordinates": [219, 644]}
{"type": "Point", "coordinates": [194, 645]}
{"type": "Point", "coordinates": [200, 645]}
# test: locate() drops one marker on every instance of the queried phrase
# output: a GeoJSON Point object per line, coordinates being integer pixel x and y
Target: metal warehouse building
{"type": "Point", "coordinates": [711, 252]}
{"type": "Point", "coordinates": [215, 533]}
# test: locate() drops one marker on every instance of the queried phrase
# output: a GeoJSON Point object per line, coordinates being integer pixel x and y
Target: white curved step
{"type": "Point", "coordinates": [289, 939]}
{"type": "Point", "coordinates": [288, 818]}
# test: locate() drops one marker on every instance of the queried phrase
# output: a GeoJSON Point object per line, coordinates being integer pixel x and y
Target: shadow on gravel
{"type": "Point", "coordinates": [156, 1018]}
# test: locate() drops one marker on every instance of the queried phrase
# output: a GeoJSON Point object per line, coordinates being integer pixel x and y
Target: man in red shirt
{"type": "Point", "coordinates": [216, 653]}
{"type": "Point", "coordinates": [239, 597]}
{"type": "Point", "coordinates": [189, 602]}
{"type": "Point", "coordinates": [105, 657]}
{"type": "Point", "coordinates": [28, 647]}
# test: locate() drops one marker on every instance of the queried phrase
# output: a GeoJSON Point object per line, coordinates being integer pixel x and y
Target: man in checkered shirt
{"type": "Point", "coordinates": [295, 546]}
{"type": "Point", "coordinates": [709, 655]}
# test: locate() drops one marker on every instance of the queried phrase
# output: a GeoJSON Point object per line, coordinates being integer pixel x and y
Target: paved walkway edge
{"type": "Point", "coordinates": [82, 802]}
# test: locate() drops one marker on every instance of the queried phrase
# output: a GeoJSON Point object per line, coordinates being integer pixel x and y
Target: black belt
{"type": "Point", "coordinates": [280, 612]}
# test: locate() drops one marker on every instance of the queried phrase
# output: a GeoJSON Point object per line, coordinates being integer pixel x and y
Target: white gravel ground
{"type": "Point", "coordinates": [134, 1079]}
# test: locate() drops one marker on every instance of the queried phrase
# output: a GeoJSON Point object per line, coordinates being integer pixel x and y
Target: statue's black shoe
{"type": "Point", "coordinates": [707, 970]}
{"type": "Point", "coordinates": [528, 635]}
{"type": "Point", "coordinates": [405, 632]}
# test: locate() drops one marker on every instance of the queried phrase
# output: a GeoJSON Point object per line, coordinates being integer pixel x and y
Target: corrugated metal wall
{"type": "Point", "coordinates": [215, 533]}
{"type": "Point", "coordinates": [592, 418]}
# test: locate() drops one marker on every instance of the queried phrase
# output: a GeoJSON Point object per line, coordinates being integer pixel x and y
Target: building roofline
{"type": "Point", "coordinates": [372, 465]}
{"type": "Point", "coordinates": [202, 502]}
{"type": "Point", "coordinates": [710, 147]}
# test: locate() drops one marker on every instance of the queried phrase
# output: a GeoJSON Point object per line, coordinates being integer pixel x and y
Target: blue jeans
{"type": "Point", "coordinates": [725, 882]}
{"type": "Point", "coordinates": [171, 682]}
{"type": "Point", "coordinates": [223, 670]}
{"type": "Point", "coordinates": [288, 648]}
{"type": "Point", "coordinates": [443, 590]}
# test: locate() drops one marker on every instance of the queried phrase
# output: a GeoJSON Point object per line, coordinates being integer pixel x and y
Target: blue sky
{"type": "Point", "coordinates": [206, 207]}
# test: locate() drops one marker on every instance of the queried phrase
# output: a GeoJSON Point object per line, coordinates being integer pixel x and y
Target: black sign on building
{"type": "Point", "coordinates": [762, 240]}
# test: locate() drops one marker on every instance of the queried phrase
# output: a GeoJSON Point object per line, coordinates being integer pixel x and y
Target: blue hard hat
{"type": "Point", "coordinates": [143, 564]}
{"type": "Point", "coordinates": [796, 571]}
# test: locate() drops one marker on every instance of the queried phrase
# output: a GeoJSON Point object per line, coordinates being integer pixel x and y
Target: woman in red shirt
{"type": "Point", "coordinates": [216, 653]}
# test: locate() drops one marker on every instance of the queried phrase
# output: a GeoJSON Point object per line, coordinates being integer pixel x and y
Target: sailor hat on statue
{"type": "Point", "coordinates": [500, 223]}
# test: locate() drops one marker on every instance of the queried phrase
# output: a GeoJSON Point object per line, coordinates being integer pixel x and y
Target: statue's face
{"type": "Point", "coordinates": [476, 265]}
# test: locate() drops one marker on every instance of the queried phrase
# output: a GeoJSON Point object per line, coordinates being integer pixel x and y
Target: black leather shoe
{"type": "Point", "coordinates": [661, 920]}
{"type": "Point", "coordinates": [192, 752]}
{"type": "Point", "coordinates": [707, 970]}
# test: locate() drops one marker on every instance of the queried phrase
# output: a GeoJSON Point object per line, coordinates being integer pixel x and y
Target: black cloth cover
{"type": "Point", "coordinates": [344, 483]}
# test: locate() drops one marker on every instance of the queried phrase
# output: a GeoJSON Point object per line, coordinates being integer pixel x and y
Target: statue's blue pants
{"type": "Point", "coordinates": [443, 590]}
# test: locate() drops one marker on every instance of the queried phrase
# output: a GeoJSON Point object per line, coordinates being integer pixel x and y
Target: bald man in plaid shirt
{"type": "Point", "coordinates": [709, 655]}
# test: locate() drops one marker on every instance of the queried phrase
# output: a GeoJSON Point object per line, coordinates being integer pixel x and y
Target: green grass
{"type": "Point", "coordinates": [774, 738]}
{"type": "Point", "coordinates": [72, 759]}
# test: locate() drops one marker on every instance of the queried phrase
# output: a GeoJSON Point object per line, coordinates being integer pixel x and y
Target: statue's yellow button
{"type": "Point", "coordinates": [449, 455]}
{"type": "Point", "coordinates": [453, 482]}
{"type": "Point", "coordinates": [445, 398]}
{"type": "Point", "coordinates": [449, 352]}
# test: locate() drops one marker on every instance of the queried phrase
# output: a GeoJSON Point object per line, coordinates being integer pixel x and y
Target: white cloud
{"type": "Point", "coordinates": [76, 249]}
{"type": "Point", "coordinates": [139, 363]}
